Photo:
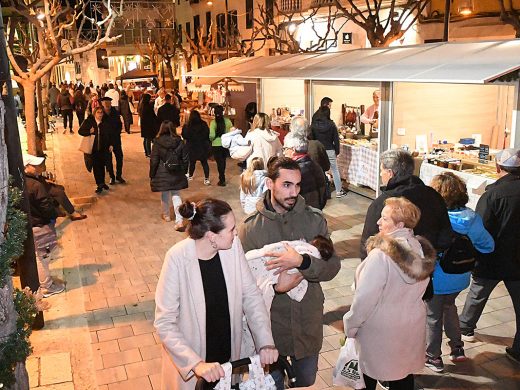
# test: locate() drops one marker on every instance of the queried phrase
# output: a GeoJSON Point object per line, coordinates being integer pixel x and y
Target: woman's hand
{"type": "Point", "coordinates": [92, 131]}
{"type": "Point", "coordinates": [211, 372]}
{"type": "Point", "coordinates": [268, 355]}
{"type": "Point", "coordinates": [287, 281]}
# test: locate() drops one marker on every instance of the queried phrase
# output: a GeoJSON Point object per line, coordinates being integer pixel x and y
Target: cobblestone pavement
{"type": "Point", "coordinates": [99, 333]}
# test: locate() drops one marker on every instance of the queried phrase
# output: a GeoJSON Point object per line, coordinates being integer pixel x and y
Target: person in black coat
{"type": "Point", "coordinates": [169, 112]}
{"type": "Point", "coordinates": [397, 168]}
{"type": "Point", "coordinates": [196, 134]}
{"type": "Point", "coordinates": [169, 147]}
{"type": "Point", "coordinates": [149, 123]}
{"type": "Point", "coordinates": [499, 208]}
{"type": "Point", "coordinates": [313, 184]}
{"type": "Point", "coordinates": [125, 111]}
{"type": "Point", "coordinates": [113, 122]}
{"type": "Point", "coordinates": [324, 130]}
{"type": "Point", "coordinates": [96, 125]}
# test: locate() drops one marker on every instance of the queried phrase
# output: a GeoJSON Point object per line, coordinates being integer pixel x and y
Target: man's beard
{"type": "Point", "coordinates": [282, 204]}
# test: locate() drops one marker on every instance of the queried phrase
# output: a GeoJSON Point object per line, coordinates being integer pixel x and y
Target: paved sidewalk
{"type": "Point", "coordinates": [99, 333]}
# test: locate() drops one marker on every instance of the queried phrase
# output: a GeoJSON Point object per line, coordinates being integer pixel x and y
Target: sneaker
{"type": "Point", "coordinates": [434, 364]}
{"type": "Point", "coordinates": [468, 336]}
{"type": "Point", "coordinates": [121, 180]}
{"type": "Point", "coordinates": [112, 181]}
{"type": "Point", "coordinates": [457, 355]}
{"type": "Point", "coordinates": [221, 183]}
{"type": "Point", "coordinates": [99, 189]}
{"type": "Point", "coordinates": [166, 218]}
{"type": "Point", "coordinates": [54, 288]}
{"type": "Point", "coordinates": [105, 187]}
{"type": "Point", "coordinates": [513, 355]}
{"type": "Point", "coordinates": [180, 227]}
{"type": "Point", "coordinates": [190, 178]}
{"type": "Point", "coordinates": [384, 385]}
{"type": "Point", "coordinates": [206, 182]}
{"type": "Point", "coordinates": [341, 193]}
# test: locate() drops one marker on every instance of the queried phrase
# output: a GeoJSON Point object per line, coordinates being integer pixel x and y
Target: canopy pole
{"type": "Point", "coordinates": [385, 123]}
{"type": "Point", "coordinates": [515, 120]}
{"type": "Point", "coordinates": [309, 99]}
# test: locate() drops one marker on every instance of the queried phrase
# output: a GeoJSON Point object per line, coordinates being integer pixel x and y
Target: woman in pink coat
{"type": "Point", "coordinates": [388, 316]}
{"type": "Point", "coordinates": [204, 288]}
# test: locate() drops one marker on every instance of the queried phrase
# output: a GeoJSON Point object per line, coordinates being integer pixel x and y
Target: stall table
{"type": "Point", "coordinates": [476, 184]}
{"type": "Point", "coordinates": [358, 165]}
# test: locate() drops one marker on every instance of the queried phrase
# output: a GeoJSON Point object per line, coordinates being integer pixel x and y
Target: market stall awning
{"type": "Point", "coordinates": [204, 84]}
{"type": "Point", "coordinates": [137, 74]}
{"type": "Point", "coordinates": [455, 62]}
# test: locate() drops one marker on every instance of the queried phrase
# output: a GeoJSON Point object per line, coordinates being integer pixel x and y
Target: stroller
{"type": "Point", "coordinates": [253, 382]}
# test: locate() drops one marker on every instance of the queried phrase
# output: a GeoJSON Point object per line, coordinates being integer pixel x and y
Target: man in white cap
{"type": "Point", "coordinates": [43, 217]}
{"type": "Point", "coordinates": [499, 207]}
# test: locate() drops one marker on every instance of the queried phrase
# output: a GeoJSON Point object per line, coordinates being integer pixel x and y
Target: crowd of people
{"type": "Point", "coordinates": [207, 289]}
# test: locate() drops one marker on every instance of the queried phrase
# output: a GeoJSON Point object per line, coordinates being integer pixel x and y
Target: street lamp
{"type": "Point", "coordinates": [465, 8]}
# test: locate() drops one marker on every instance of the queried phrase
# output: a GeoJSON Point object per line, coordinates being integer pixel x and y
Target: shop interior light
{"type": "Point", "coordinates": [291, 28]}
{"type": "Point", "coordinates": [209, 3]}
{"type": "Point", "coordinates": [465, 7]}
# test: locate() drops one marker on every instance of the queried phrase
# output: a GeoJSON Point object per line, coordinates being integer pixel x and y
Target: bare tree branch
{"type": "Point", "coordinates": [510, 15]}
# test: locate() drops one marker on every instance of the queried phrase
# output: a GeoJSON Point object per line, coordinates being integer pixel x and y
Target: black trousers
{"type": "Point", "coordinates": [118, 153]}
{"type": "Point", "coordinates": [406, 383]}
{"type": "Point", "coordinates": [205, 167]}
{"type": "Point", "coordinates": [81, 117]}
{"type": "Point", "coordinates": [58, 194]}
{"type": "Point", "coordinates": [67, 115]}
{"type": "Point", "coordinates": [220, 154]}
{"type": "Point", "coordinates": [99, 160]}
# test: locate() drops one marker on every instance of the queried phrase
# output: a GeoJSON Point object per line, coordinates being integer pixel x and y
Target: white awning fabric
{"type": "Point", "coordinates": [455, 62]}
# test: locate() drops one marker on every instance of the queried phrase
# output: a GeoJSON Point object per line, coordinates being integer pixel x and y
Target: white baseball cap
{"type": "Point", "coordinates": [29, 159]}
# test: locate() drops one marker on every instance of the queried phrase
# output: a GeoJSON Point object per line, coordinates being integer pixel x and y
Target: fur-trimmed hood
{"type": "Point", "coordinates": [414, 255]}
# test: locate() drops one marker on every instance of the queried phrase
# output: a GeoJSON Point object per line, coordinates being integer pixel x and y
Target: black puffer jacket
{"type": "Point", "coordinates": [160, 178]}
{"type": "Point", "coordinates": [197, 140]}
{"type": "Point", "coordinates": [325, 130]}
{"type": "Point", "coordinates": [434, 223]}
{"type": "Point", "coordinates": [41, 203]}
{"type": "Point", "coordinates": [168, 112]}
{"type": "Point", "coordinates": [499, 207]}
{"type": "Point", "coordinates": [312, 186]}
{"type": "Point", "coordinates": [149, 122]}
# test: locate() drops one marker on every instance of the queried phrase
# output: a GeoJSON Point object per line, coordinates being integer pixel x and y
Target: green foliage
{"type": "Point", "coordinates": [16, 233]}
{"type": "Point", "coordinates": [16, 348]}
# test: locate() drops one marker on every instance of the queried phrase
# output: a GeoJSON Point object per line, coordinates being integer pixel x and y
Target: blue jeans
{"type": "Point", "coordinates": [173, 197]}
{"type": "Point", "coordinates": [334, 169]}
{"type": "Point", "coordinates": [305, 370]}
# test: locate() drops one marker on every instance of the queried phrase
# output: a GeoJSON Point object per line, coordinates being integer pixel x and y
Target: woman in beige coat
{"type": "Point", "coordinates": [204, 288]}
{"type": "Point", "coordinates": [388, 316]}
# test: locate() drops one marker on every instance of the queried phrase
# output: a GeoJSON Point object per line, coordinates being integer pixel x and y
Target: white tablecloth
{"type": "Point", "coordinates": [358, 165]}
{"type": "Point", "coordinates": [476, 184]}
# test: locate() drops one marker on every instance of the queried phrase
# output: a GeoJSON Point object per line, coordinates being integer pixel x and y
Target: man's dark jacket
{"type": "Point", "coordinates": [168, 112]}
{"type": "Point", "coordinates": [434, 223]}
{"type": "Point", "coordinates": [41, 203]}
{"type": "Point", "coordinates": [313, 185]}
{"type": "Point", "coordinates": [499, 208]}
{"type": "Point", "coordinates": [113, 122]}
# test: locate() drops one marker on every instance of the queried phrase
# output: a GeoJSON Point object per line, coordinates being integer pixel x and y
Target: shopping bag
{"type": "Point", "coordinates": [257, 379]}
{"type": "Point", "coordinates": [347, 371]}
{"type": "Point", "coordinates": [87, 144]}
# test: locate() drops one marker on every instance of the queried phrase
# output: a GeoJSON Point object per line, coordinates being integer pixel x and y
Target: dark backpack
{"type": "Point", "coordinates": [460, 257]}
{"type": "Point", "coordinates": [173, 163]}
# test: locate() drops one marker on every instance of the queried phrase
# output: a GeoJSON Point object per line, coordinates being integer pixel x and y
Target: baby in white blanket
{"type": "Point", "coordinates": [321, 248]}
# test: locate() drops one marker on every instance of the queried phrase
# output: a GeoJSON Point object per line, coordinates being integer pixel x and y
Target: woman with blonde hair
{"type": "Point", "coordinates": [388, 316]}
{"type": "Point", "coordinates": [264, 141]}
{"type": "Point", "coordinates": [252, 185]}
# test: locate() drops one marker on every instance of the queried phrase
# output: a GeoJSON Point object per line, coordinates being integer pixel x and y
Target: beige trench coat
{"type": "Point", "coordinates": [180, 314]}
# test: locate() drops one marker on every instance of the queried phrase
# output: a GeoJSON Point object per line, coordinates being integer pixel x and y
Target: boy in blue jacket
{"type": "Point", "coordinates": [446, 287]}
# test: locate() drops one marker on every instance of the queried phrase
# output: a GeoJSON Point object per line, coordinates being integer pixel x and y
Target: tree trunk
{"type": "Point", "coordinates": [170, 71]}
{"type": "Point", "coordinates": [29, 88]}
{"type": "Point", "coordinates": [45, 102]}
{"type": "Point", "coordinates": [8, 313]}
{"type": "Point", "coordinates": [40, 138]}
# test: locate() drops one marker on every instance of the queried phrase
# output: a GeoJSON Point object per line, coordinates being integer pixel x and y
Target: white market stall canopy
{"type": "Point", "coordinates": [204, 84]}
{"type": "Point", "coordinates": [455, 62]}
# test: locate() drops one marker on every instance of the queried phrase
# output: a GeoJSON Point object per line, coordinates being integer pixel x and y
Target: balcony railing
{"type": "Point", "coordinates": [321, 3]}
{"type": "Point", "coordinates": [290, 5]}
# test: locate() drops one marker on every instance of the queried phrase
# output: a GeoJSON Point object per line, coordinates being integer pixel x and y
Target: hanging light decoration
{"type": "Point", "coordinates": [465, 7]}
